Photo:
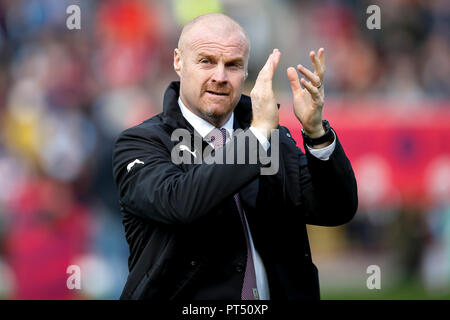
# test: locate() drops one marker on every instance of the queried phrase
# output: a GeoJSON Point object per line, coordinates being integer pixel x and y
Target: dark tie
{"type": "Point", "coordinates": [249, 289]}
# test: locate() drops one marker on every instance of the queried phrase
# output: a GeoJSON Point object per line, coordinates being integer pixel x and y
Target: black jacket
{"type": "Point", "coordinates": [182, 226]}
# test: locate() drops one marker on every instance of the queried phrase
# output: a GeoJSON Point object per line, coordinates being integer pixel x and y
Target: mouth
{"type": "Point", "coordinates": [217, 93]}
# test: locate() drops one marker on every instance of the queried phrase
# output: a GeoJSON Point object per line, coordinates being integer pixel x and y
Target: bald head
{"type": "Point", "coordinates": [217, 24]}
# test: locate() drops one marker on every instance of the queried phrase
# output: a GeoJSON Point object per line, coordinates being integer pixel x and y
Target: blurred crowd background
{"type": "Point", "coordinates": [65, 95]}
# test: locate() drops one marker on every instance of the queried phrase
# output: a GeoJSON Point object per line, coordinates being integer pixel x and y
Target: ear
{"type": "Point", "coordinates": [177, 63]}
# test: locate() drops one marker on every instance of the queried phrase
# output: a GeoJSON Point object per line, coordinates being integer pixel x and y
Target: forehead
{"type": "Point", "coordinates": [233, 44]}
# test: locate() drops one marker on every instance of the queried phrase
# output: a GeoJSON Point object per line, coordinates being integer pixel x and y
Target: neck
{"type": "Point", "coordinates": [217, 121]}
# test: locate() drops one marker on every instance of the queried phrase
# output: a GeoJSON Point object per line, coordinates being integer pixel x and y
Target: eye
{"type": "Point", "coordinates": [235, 65]}
{"type": "Point", "coordinates": [204, 61]}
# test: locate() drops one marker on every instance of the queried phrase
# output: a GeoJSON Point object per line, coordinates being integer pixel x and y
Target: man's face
{"type": "Point", "coordinates": [212, 70]}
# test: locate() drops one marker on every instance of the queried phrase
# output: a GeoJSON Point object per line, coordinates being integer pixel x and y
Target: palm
{"type": "Point", "coordinates": [308, 101]}
{"type": "Point", "coordinates": [305, 108]}
{"type": "Point", "coordinates": [302, 105]}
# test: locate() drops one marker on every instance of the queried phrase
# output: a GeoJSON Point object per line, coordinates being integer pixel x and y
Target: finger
{"type": "Point", "coordinates": [293, 79]}
{"type": "Point", "coordinates": [311, 89]}
{"type": "Point", "coordinates": [263, 72]}
{"type": "Point", "coordinates": [268, 63]}
{"type": "Point", "coordinates": [321, 55]}
{"type": "Point", "coordinates": [316, 64]}
{"type": "Point", "coordinates": [275, 61]}
{"type": "Point", "coordinates": [272, 64]}
{"type": "Point", "coordinates": [269, 68]}
{"type": "Point", "coordinates": [314, 78]}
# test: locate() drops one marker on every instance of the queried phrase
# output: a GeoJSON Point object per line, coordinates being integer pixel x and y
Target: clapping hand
{"type": "Point", "coordinates": [308, 101]}
{"type": "Point", "coordinates": [264, 106]}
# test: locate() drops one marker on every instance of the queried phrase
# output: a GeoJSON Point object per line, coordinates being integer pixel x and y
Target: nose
{"type": "Point", "coordinates": [220, 74]}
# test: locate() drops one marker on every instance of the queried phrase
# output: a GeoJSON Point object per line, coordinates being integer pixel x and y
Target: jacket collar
{"type": "Point", "coordinates": [173, 117]}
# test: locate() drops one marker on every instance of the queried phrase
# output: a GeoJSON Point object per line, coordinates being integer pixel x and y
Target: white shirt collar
{"type": "Point", "coordinates": [202, 126]}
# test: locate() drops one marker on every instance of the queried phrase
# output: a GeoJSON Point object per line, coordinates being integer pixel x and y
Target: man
{"type": "Point", "coordinates": [224, 231]}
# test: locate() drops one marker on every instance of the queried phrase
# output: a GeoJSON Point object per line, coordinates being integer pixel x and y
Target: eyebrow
{"type": "Point", "coordinates": [210, 56]}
